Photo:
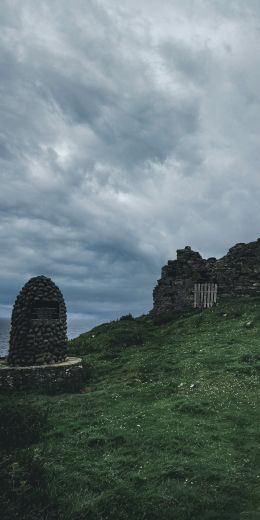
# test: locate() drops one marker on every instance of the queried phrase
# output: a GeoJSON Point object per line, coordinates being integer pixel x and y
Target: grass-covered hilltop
{"type": "Point", "coordinates": [166, 425]}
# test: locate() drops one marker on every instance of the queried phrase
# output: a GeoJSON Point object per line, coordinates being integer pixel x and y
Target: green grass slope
{"type": "Point", "coordinates": [166, 425]}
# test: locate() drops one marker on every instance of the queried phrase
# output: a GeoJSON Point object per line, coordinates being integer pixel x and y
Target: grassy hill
{"type": "Point", "coordinates": [165, 427]}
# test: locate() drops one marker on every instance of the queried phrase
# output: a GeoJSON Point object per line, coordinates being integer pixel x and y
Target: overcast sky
{"type": "Point", "coordinates": [129, 128]}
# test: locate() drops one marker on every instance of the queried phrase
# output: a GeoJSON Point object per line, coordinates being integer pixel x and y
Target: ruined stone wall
{"type": "Point", "coordinates": [237, 273]}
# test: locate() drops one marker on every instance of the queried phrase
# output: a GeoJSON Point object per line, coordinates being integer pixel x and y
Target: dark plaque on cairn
{"type": "Point", "coordinates": [45, 310]}
{"type": "Point", "coordinates": [39, 325]}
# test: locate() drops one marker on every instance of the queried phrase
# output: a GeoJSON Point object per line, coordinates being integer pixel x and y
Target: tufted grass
{"type": "Point", "coordinates": [166, 426]}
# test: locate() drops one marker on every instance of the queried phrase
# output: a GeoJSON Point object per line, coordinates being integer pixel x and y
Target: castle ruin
{"type": "Point", "coordinates": [236, 274]}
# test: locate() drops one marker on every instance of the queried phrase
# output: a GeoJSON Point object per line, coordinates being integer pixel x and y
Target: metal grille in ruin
{"type": "Point", "coordinates": [205, 294]}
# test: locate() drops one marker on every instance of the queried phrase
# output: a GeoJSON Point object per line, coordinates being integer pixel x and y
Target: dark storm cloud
{"type": "Point", "coordinates": [128, 129]}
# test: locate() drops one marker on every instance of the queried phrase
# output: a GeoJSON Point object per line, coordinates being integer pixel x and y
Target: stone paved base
{"type": "Point", "coordinates": [57, 376]}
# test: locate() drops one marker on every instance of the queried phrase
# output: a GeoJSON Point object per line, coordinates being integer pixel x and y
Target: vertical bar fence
{"type": "Point", "coordinates": [205, 294]}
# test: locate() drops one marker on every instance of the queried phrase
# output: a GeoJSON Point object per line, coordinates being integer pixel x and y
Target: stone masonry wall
{"type": "Point", "coordinates": [61, 376]}
{"type": "Point", "coordinates": [237, 273]}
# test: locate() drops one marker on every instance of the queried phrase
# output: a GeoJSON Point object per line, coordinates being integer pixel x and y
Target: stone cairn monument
{"type": "Point", "coordinates": [38, 349]}
{"type": "Point", "coordinates": [39, 325]}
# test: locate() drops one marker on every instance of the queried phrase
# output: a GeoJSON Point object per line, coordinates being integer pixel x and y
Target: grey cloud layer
{"type": "Point", "coordinates": [127, 131]}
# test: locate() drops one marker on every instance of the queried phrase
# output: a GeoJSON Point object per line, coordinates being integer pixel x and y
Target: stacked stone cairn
{"type": "Point", "coordinates": [39, 325]}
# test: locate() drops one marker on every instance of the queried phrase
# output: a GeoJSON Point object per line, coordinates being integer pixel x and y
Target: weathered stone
{"type": "Point", "coordinates": [58, 376]}
{"type": "Point", "coordinates": [237, 273]}
{"type": "Point", "coordinates": [38, 325]}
